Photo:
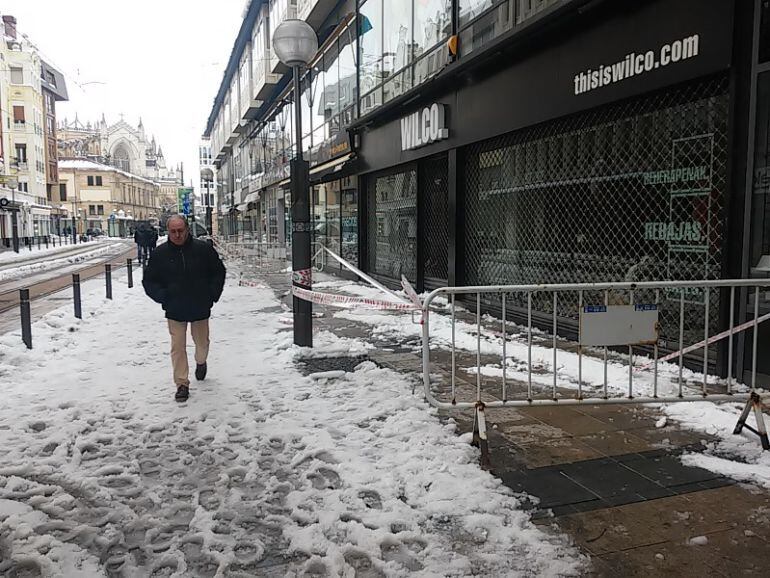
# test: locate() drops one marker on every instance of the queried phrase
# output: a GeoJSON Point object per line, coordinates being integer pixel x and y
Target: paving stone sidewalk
{"type": "Point", "coordinates": [605, 475]}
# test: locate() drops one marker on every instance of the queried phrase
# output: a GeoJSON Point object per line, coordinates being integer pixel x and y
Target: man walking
{"type": "Point", "coordinates": [186, 277]}
{"type": "Point", "coordinates": [141, 246]}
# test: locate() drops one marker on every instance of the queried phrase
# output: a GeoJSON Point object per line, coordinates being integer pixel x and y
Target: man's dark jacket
{"type": "Point", "coordinates": [185, 280]}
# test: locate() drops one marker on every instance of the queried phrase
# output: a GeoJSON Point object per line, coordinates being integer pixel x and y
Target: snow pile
{"type": "Point", "coordinates": [47, 264]}
{"type": "Point", "coordinates": [8, 256]}
{"type": "Point", "coordinates": [737, 456]}
{"type": "Point", "coordinates": [263, 471]}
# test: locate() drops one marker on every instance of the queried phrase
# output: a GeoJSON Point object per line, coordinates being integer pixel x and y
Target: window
{"type": "Point", "coordinates": [62, 191]}
{"type": "Point", "coordinates": [17, 75]}
{"type": "Point", "coordinates": [23, 187]}
{"type": "Point", "coordinates": [98, 181]}
{"type": "Point", "coordinates": [90, 180]}
{"type": "Point", "coordinates": [396, 47]}
{"type": "Point", "coordinates": [432, 23]}
{"type": "Point", "coordinates": [347, 72]}
{"type": "Point", "coordinates": [18, 115]}
{"type": "Point", "coordinates": [370, 45]}
{"type": "Point", "coordinates": [99, 209]}
{"type": "Point", "coordinates": [91, 209]}
{"type": "Point", "coordinates": [21, 153]}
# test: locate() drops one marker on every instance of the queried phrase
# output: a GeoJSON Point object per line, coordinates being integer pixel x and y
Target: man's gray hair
{"type": "Point", "coordinates": [180, 217]}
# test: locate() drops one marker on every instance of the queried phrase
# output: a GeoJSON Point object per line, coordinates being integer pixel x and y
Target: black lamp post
{"type": "Point", "coordinates": [296, 44]}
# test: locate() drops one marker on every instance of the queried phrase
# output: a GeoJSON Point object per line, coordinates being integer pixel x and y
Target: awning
{"type": "Point", "coordinates": [251, 197]}
{"type": "Point", "coordinates": [334, 169]}
{"type": "Point", "coordinates": [242, 207]}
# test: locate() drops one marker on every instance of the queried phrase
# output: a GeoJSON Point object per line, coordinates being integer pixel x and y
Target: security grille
{"type": "Point", "coordinates": [435, 238]}
{"type": "Point", "coordinates": [629, 192]}
{"type": "Point", "coordinates": [393, 225]}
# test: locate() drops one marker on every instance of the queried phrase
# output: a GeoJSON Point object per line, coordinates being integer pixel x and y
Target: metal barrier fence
{"type": "Point", "coordinates": [254, 257]}
{"type": "Point", "coordinates": [519, 366]}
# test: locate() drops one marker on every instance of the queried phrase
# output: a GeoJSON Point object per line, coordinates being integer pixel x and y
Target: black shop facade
{"type": "Point", "coordinates": [597, 148]}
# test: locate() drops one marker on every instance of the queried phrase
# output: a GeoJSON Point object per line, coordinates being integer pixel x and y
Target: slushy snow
{"type": "Point", "coordinates": [263, 472]}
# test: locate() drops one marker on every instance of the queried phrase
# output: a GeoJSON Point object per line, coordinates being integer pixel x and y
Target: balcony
{"type": "Point", "coordinates": [282, 10]}
{"type": "Point", "coordinates": [314, 12]}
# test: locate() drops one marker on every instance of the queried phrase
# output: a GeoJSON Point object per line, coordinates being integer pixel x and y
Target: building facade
{"type": "Point", "coordinates": [29, 90]}
{"type": "Point", "coordinates": [479, 142]}
{"type": "Point", "coordinates": [121, 145]}
{"type": "Point", "coordinates": [103, 197]}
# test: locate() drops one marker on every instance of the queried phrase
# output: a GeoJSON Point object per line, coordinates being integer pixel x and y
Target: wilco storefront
{"type": "Point", "coordinates": [600, 150]}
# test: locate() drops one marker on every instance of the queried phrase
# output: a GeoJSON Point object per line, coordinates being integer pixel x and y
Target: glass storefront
{"type": "Point", "coordinates": [392, 226]}
{"type": "Point", "coordinates": [628, 192]}
{"type": "Point", "coordinates": [335, 219]}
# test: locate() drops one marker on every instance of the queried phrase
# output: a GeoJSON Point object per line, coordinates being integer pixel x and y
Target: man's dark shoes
{"type": "Point", "coordinates": [200, 371]}
{"type": "Point", "coordinates": [182, 393]}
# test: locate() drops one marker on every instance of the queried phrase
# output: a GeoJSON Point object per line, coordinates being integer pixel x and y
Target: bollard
{"type": "Point", "coordinates": [108, 279]}
{"type": "Point", "coordinates": [46, 241]}
{"type": "Point", "coordinates": [130, 266]}
{"type": "Point", "coordinates": [76, 295]}
{"type": "Point", "coordinates": [26, 319]}
{"type": "Point", "coordinates": [38, 243]}
{"type": "Point", "coordinates": [29, 243]}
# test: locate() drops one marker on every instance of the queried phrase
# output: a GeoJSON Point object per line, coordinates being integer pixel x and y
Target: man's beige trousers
{"type": "Point", "coordinates": [200, 335]}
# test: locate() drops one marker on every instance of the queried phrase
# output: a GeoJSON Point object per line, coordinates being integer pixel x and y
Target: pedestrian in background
{"type": "Point", "coordinates": [139, 239]}
{"type": "Point", "coordinates": [152, 240]}
{"type": "Point", "coordinates": [186, 276]}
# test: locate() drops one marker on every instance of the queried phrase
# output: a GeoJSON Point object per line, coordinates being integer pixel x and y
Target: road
{"type": "Point", "coordinates": [52, 282]}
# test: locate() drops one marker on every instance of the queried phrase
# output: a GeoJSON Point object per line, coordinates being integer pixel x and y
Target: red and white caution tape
{"type": "Point", "coordinates": [348, 301]}
{"type": "Point", "coordinates": [410, 292]}
{"type": "Point", "coordinates": [247, 283]}
{"type": "Point", "coordinates": [714, 339]}
{"type": "Point", "coordinates": [363, 275]}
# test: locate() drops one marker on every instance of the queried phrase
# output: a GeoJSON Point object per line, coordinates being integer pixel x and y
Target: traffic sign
{"type": "Point", "coordinates": [4, 202]}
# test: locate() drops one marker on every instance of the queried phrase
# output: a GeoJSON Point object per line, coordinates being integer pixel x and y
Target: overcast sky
{"type": "Point", "coordinates": [162, 60]}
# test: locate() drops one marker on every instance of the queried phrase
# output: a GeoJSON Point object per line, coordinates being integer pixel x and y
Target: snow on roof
{"type": "Point", "coordinates": [84, 165]}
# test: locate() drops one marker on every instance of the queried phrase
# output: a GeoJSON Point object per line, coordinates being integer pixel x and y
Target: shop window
{"type": "Point", "coordinates": [760, 246]}
{"type": "Point", "coordinates": [392, 231]}
{"type": "Point", "coordinates": [630, 202]}
{"type": "Point", "coordinates": [349, 219]}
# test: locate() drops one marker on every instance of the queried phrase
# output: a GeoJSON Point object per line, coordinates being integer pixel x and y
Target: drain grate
{"type": "Point", "coordinates": [322, 364]}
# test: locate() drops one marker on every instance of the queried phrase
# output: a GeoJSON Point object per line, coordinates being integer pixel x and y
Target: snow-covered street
{"type": "Point", "coordinates": [263, 472]}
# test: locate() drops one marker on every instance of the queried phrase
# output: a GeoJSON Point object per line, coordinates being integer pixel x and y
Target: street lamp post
{"type": "Point", "coordinates": [295, 43]}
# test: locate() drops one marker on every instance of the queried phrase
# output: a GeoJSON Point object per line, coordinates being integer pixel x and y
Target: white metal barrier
{"type": "Point", "coordinates": [609, 315]}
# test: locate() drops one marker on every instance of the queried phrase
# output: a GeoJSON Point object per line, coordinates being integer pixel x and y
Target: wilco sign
{"type": "Point", "coordinates": [424, 127]}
